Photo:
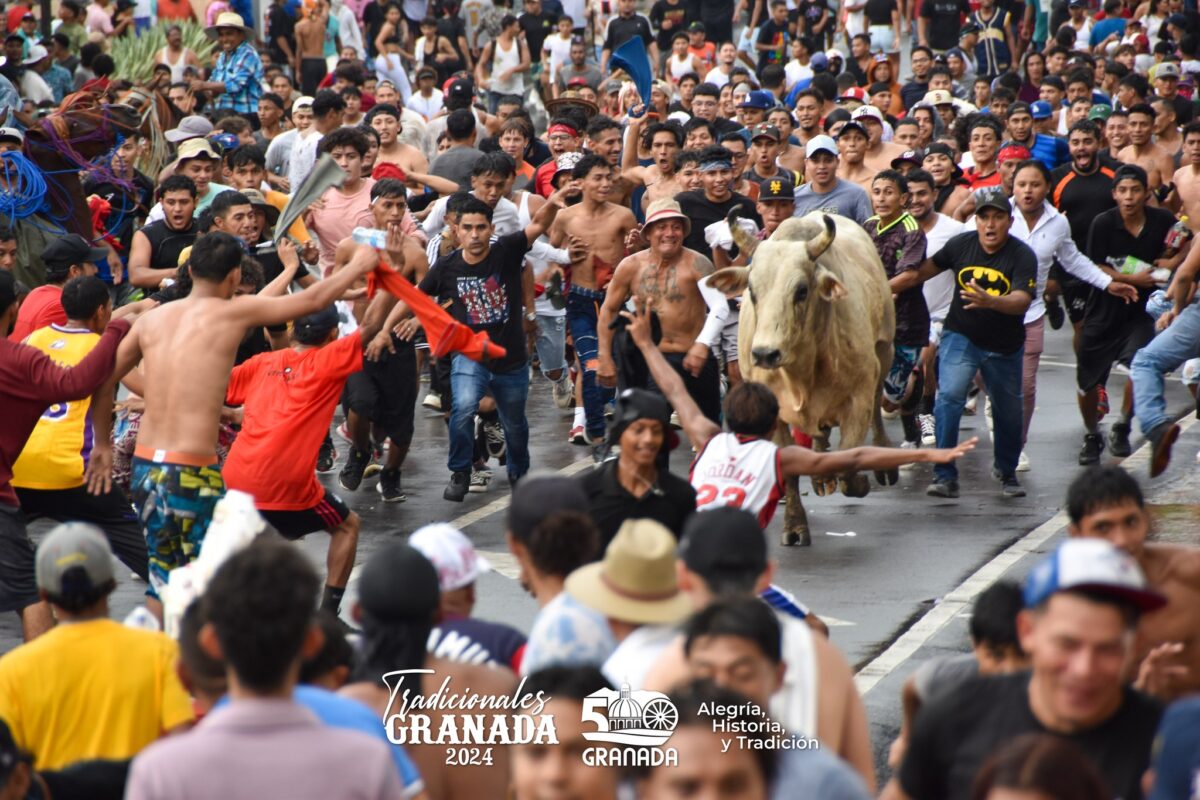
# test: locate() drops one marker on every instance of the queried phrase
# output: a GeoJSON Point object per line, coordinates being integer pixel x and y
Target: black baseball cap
{"type": "Point", "coordinates": [776, 189]}
{"type": "Point", "coordinates": [316, 326]}
{"type": "Point", "coordinates": [399, 584]}
{"type": "Point", "coordinates": [461, 88]}
{"type": "Point", "coordinates": [635, 404]}
{"type": "Point", "coordinates": [539, 495]}
{"type": "Point", "coordinates": [67, 251]}
{"type": "Point", "coordinates": [992, 197]}
{"type": "Point", "coordinates": [696, 27]}
{"type": "Point", "coordinates": [723, 540]}
{"type": "Point", "coordinates": [911, 156]}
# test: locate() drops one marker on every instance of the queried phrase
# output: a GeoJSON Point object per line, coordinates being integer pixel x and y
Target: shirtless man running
{"type": "Point", "coordinates": [665, 140]}
{"type": "Point", "coordinates": [1106, 503]}
{"type": "Point", "coordinates": [1187, 178]}
{"type": "Point", "coordinates": [310, 48]}
{"type": "Point", "coordinates": [879, 153]}
{"type": "Point", "coordinates": [853, 141]}
{"type": "Point", "coordinates": [385, 119]}
{"type": "Point", "coordinates": [188, 348]}
{"type": "Point", "coordinates": [1157, 162]}
{"type": "Point", "coordinates": [603, 227]}
{"type": "Point", "coordinates": [604, 139]}
{"type": "Point", "coordinates": [667, 276]}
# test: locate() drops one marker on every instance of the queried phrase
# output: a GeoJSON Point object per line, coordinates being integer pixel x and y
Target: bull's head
{"type": "Point", "coordinates": [786, 286]}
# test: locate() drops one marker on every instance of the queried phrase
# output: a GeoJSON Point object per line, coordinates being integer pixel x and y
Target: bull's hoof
{"type": "Point", "coordinates": [795, 538]}
{"type": "Point", "coordinates": [824, 485]}
{"type": "Point", "coordinates": [857, 485]}
{"type": "Point", "coordinates": [887, 477]}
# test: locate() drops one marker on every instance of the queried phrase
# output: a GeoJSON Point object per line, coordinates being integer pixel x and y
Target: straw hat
{"type": "Point", "coordinates": [664, 209]}
{"type": "Point", "coordinates": [636, 580]}
{"type": "Point", "coordinates": [229, 19]}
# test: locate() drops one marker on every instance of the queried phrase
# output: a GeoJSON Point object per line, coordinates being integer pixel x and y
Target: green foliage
{"type": "Point", "coordinates": [135, 56]}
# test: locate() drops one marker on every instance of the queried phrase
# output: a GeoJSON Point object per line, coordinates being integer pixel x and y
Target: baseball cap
{"type": "Point", "coordinates": [1100, 112]}
{"type": "Point", "coordinates": [819, 62]}
{"type": "Point", "coordinates": [1176, 751]}
{"type": "Point", "coordinates": [938, 97]}
{"type": "Point", "coordinates": [764, 130]}
{"type": "Point", "coordinates": [853, 93]}
{"type": "Point", "coordinates": [723, 540]}
{"type": "Point", "coordinates": [1077, 4]}
{"type": "Point", "coordinates": [66, 251]}
{"type": "Point", "coordinates": [833, 53]}
{"type": "Point", "coordinates": [910, 156]}
{"type": "Point", "coordinates": [399, 584]}
{"type": "Point", "coordinates": [316, 325]}
{"type": "Point", "coordinates": [635, 404]}
{"type": "Point", "coordinates": [1040, 109]}
{"type": "Point", "coordinates": [867, 112]}
{"type": "Point", "coordinates": [969, 28]}
{"type": "Point", "coordinates": [992, 197]}
{"type": "Point", "coordinates": [194, 127]}
{"type": "Point", "coordinates": [853, 125]}
{"type": "Point", "coordinates": [36, 54]}
{"type": "Point", "coordinates": [566, 162]}
{"type": "Point", "coordinates": [1178, 20]}
{"type": "Point", "coordinates": [74, 560]}
{"type": "Point", "coordinates": [938, 149]}
{"type": "Point", "coordinates": [540, 494]}
{"type": "Point", "coordinates": [611, 85]}
{"type": "Point", "coordinates": [460, 89]}
{"type": "Point", "coordinates": [1166, 69]}
{"type": "Point", "coordinates": [776, 189]}
{"type": "Point", "coordinates": [760, 99]}
{"type": "Point", "coordinates": [451, 553]}
{"type": "Point", "coordinates": [696, 27]}
{"type": "Point", "coordinates": [1091, 565]}
{"type": "Point", "coordinates": [301, 102]}
{"type": "Point", "coordinates": [818, 143]}
{"type": "Point", "coordinates": [12, 135]}
{"type": "Point", "coordinates": [1018, 107]}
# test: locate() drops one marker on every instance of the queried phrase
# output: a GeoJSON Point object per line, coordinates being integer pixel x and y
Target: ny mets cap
{"type": "Point", "coordinates": [776, 189]}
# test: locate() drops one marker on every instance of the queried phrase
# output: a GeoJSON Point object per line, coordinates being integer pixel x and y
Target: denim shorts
{"type": "Point", "coordinates": [551, 342]}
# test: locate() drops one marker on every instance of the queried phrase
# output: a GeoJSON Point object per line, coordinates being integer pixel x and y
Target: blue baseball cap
{"type": "Point", "coordinates": [819, 62]}
{"type": "Point", "coordinates": [1040, 109]}
{"type": "Point", "coordinates": [760, 99]}
{"type": "Point", "coordinates": [1091, 565]}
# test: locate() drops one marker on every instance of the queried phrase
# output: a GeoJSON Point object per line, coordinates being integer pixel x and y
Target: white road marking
{"type": "Point", "coordinates": [959, 600]}
{"type": "Point", "coordinates": [501, 503]}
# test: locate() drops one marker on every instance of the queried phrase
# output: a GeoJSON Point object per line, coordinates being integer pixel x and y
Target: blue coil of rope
{"type": "Point", "coordinates": [26, 192]}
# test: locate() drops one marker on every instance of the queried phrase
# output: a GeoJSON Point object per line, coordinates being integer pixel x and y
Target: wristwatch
{"type": "Point", "coordinates": [530, 316]}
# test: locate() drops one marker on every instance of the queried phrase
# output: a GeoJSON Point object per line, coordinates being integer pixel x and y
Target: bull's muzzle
{"type": "Point", "coordinates": [767, 357]}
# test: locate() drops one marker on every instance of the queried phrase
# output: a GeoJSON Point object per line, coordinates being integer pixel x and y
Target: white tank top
{"type": "Point", "coordinates": [503, 60]}
{"type": "Point", "coordinates": [739, 472]}
{"type": "Point", "coordinates": [680, 68]}
{"type": "Point", "coordinates": [177, 67]}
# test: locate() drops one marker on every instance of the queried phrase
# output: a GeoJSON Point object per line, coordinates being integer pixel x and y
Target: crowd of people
{"type": "Point", "coordinates": [361, 199]}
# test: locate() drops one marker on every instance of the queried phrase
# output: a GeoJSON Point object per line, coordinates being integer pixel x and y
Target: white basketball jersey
{"type": "Point", "coordinates": [738, 471]}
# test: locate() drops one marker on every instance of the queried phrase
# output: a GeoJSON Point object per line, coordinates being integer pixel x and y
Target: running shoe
{"type": "Point", "coordinates": [1101, 402]}
{"type": "Point", "coordinates": [928, 431]}
{"type": "Point", "coordinates": [344, 433]}
{"type": "Point", "coordinates": [1011, 487]}
{"type": "Point", "coordinates": [577, 435]}
{"type": "Point", "coordinates": [457, 489]}
{"type": "Point", "coordinates": [480, 479]}
{"type": "Point", "coordinates": [326, 456]}
{"type": "Point", "coordinates": [912, 429]}
{"type": "Point", "coordinates": [1118, 440]}
{"type": "Point", "coordinates": [1023, 462]}
{"type": "Point", "coordinates": [1162, 439]}
{"type": "Point", "coordinates": [942, 489]}
{"type": "Point", "coordinates": [1093, 446]}
{"type": "Point", "coordinates": [1054, 313]}
{"type": "Point", "coordinates": [389, 486]}
{"type": "Point", "coordinates": [432, 401]}
{"type": "Point", "coordinates": [352, 473]}
{"type": "Point", "coordinates": [675, 423]}
{"type": "Point", "coordinates": [972, 401]}
{"type": "Point", "coordinates": [493, 434]}
{"type": "Point", "coordinates": [563, 392]}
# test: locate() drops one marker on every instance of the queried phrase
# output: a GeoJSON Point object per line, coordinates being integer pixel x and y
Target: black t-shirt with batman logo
{"type": "Point", "coordinates": [1012, 268]}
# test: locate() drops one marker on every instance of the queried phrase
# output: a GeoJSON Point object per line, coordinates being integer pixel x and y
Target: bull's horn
{"type": "Point", "coordinates": [821, 243]}
{"type": "Point", "coordinates": [744, 241]}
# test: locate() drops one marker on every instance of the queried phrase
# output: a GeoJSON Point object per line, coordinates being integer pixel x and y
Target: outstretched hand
{"type": "Point", "coordinates": [950, 454]}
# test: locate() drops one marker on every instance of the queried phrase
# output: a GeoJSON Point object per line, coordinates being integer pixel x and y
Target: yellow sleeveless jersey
{"type": "Point", "coordinates": [58, 448]}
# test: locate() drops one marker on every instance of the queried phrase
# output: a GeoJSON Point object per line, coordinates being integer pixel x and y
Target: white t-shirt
{"type": "Point", "coordinates": [560, 53]}
{"type": "Point", "coordinates": [427, 107]}
{"type": "Point", "coordinates": [637, 654]}
{"type": "Point", "coordinates": [796, 72]}
{"type": "Point", "coordinates": [939, 290]}
{"type": "Point", "coordinates": [716, 77]}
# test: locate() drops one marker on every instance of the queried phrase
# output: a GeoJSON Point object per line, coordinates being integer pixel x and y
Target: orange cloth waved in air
{"type": "Point", "coordinates": [444, 334]}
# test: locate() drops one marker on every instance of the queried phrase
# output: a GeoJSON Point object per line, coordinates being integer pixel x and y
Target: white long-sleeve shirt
{"type": "Point", "coordinates": [1050, 239]}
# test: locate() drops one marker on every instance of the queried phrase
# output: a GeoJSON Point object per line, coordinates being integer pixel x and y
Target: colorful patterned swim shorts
{"type": "Point", "coordinates": [175, 505]}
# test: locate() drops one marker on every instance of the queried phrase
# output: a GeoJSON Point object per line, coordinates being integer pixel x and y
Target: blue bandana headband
{"type": "Point", "coordinates": [710, 166]}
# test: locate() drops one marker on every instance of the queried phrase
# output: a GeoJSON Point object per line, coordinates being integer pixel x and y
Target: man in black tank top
{"type": "Point", "coordinates": [154, 254]}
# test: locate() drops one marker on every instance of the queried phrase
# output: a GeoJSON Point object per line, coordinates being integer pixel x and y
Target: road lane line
{"type": "Point", "coordinates": [959, 599]}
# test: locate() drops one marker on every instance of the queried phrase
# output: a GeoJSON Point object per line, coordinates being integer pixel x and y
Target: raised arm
{"type": "Point", "coordinates": [549, 210]}
{"type": "Point", "coordinates": [255, 310]}
{"type": "Point", "coordinates": [798, 461]}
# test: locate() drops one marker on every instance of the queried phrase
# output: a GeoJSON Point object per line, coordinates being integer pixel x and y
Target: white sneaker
{"type": "Point", "coordinates": [563, 392]}
{"type": "Point", "coordinates": [480, 479]}
{"type": "Point", "coordinates": [1023, 462]}
{"type": "Point", "coordinates": [432, 401]}
{"type": "Point", "coordinates": [675, 423]}
{"type": "Point", "coordinates": [889, 414]}
{"type": "Point", "coordinates": [909, 446]}
{"type": "Point", "coordinates": [987, 412]}
{"type": "Point", "coordinates": [928, 429]}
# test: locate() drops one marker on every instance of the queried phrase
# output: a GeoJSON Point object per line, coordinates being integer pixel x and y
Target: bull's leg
{"type": "Point", "coordinates": [795, 520]}
{"type": "Point", "coordinates": [886, 477]}
{"type": "Point", "coordinates": [854, 432]}
{"type": "Point", "coordinates": [823, 484]}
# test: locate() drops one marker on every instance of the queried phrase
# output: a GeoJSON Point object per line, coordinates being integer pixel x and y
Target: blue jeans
{"type": "Point", "coordinates": [551, 342]}
{"type": "Point", "coordinates": [958, 361]}
{"type": "Point", "coordinates": [1166, 352]}
{"type": "Point", "coordinates": [582, 318]}
{"type": "Point", "coordinates": [470, 381]}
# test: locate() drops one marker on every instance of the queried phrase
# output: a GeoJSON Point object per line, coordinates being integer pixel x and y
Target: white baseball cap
{"type": "Point", "coordinates": [451, 553]}
{"type": "Point", "coordinates": [867, 111]}
{"type": "Point", "coordinates": [1091, 565]}
{"type": "Point", "coordinates": [819, 143]}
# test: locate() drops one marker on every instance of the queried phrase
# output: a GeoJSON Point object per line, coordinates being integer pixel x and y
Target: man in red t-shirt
{"type": "Point", "coordinates": [288, 398]}
{"type": "Point", "coordinates": [67, 257]}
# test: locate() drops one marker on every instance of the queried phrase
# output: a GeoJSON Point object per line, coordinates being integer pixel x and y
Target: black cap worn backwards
{"type": "Point", "coordinates": [398, 584]}
{"type": "Point", "coordinates": [538, 496]}
{"type": "Point", "coordinates": [723, 540]}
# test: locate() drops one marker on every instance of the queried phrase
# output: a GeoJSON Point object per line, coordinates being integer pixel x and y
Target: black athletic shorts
{"type": "Point", "coordinates": [385, 392]}
{"type": "Point", "coordinates": [1101, 347]}
{"type": "Point", "coordinates": [324, 516]}
{"type": "Point", "coordinates": [18, 588]}
{"type": "Point", "coordinates": [1075, 293]}
{"type": "Point", "coordinates": [111, 512]}
{"type": "Point", "coordinates": [312, 72]}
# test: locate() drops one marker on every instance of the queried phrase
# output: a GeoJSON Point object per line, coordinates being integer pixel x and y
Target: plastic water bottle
{"type": "Point", "coordinates": [370, 236]}
{"type": "Point", "coordinates": [142, 619]}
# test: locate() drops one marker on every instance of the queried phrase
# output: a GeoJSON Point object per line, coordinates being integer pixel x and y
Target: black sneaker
{"type": "Point", "coordinates": [1054, 313]}
{"type": "Point", "coordinates": [942, 489]}
{"type": "Point", "coordinates": [1009, 485]}
{"type": "Point", "coordinates": [352, 473]}
{"type": "Point", "coordinates": [389, 486]}
{"type": "Point", "coordinates": [493, 436]}
{"type": "Point", "coordinates": [1093, 446]}
{"type": "Point", "coordinates": [456, 490]}
{"type": "Point", "coordinates": [326, 456]}
{"type": "Point", "coordinates": [912, 428]}
{"type": "Point", "coordinates": [1118, 440]}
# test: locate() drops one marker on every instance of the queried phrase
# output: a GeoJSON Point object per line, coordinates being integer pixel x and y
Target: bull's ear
{"type": "Point", "coordinates": [730, 280]}
{"type": "Point", "coordinates": [829, 287]}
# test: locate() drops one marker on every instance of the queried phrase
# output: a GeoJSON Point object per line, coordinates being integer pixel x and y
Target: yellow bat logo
{"type": "Point", "coordinates": [992, 281]}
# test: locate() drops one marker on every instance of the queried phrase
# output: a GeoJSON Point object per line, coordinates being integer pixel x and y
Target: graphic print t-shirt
{"type": "Point", "coordinates": [486, 296]}
{"type": "Point", "coordinates": [1012, 268]}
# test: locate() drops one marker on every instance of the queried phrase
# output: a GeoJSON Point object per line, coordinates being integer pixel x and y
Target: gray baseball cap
{"type": "Point", "coordinates": [74, 559]}
{"type": "Point", "coordinates": [189, 128]}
